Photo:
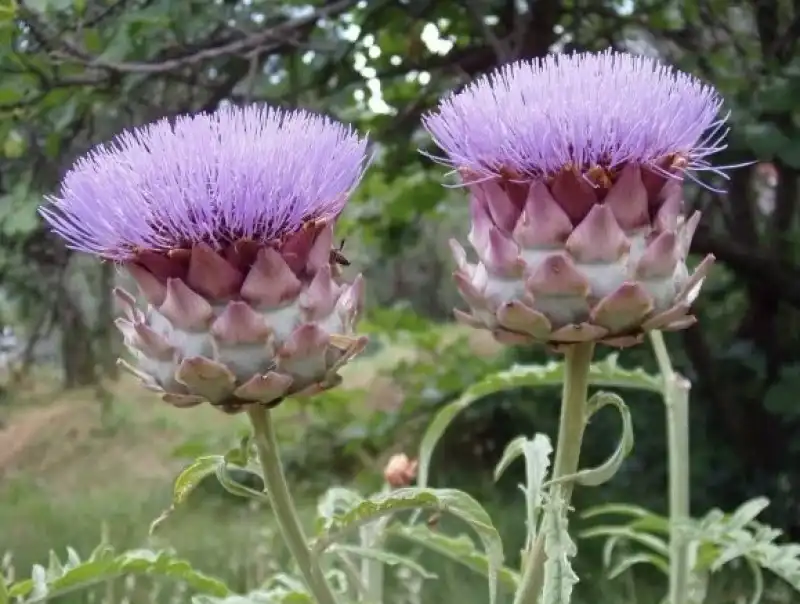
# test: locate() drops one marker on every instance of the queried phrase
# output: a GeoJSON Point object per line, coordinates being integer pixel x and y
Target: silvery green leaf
{"type": "Point", "coordinates": [536, 453]}
{"type": "Point", "coordinates": [559, 578]}
{"type": "Point", "coordinates": [106, 566]}
{"type": "Point", "coordinates": [459, 549]}
{"type": "Point", "coordinates": [449, 501]}
{"type": "Point", "coordinates": [628, 562]}
{"type": "Point", "coordinates": [385, 557]}
{"type": "Point", "coordinates": [598, 475]}
{"type": "Point", "coordinates": [335, 500]}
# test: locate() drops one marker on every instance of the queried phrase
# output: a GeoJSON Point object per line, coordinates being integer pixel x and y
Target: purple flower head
{"type": "Point", "coordinates": [532, 119]}
{"type": "Point", "coordinates": [254, 173]}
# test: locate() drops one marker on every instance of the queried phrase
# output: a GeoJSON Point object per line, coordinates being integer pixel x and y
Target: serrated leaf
{"type": "Point", "coordinates": [54, 567]}
{"type": "Point", "coordinates": [537, 453]}
{"type": "Point", "coordinates": [559, 578]}
{"type": "Point", "coordinates": [606, 373]}
{"type": "Point", "coordinates": [598, 475]}
{"type": "Point", "coordinates": [385, 557]}
{"type": "Point", "coordinates": [451, 501]}
{"type": "Point", "coordinates": [73, 559]}
{"type": "Point", "coordinates": [39, 587]}
{"type": "Point", "coordinates": [459, 549]}
{"type": "Point", "coordinates": [334, 501]}
{"type": "Point", "coordinates": [42, 587]}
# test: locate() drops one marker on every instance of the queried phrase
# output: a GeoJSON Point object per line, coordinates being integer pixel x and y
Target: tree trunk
{"type": "Point", "coordinates": [106, 334]}
{"type": "Point", "coordinates": [77, 356]}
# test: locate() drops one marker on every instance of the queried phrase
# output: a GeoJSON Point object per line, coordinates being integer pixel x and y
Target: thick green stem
{"type": "Point", "coordinates": [278, 492]}
{"type": "Point", "coordinates": [577, 360]}
{"type": "Point", "coordinates": [676, 400]}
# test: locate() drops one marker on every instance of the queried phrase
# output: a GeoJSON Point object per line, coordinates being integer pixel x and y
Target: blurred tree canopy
{"type": "Point", "coordinates": [75, 72]}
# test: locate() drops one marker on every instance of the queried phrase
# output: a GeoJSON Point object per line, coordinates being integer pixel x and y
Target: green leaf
{"type": "Point", "coordinates": [54, 567]}
{"type": "Point", "coordinates": [537, 453]}
{"type": "Point", "coordinates": [8, 10]}
{"type": "Point", "coordinates": [14, 146]}
{"type": "Point", "coordinates": [72, 577]}
{"type": "Point", "coordinates": [277, 595]}
{"type": "Point", "coordinates": [119, 46]}
{"type": "Point", "coordinates": [387, 558]}
{"type": "Point", "coordinates": [459, 549]}
{"type": "Point", "coordinates": [512, 451]}
{"type": "Point", "coordinates": [621, 509]}
{"type": "Point", "coordinates": [8, 94]}
{"type": "Point", "coordinates": [192, 475]}
{"type": "Point", "coordinates": [598, 475]}
{"type": "Point", "coordinates": [632, 560]}
{"type": "Point", "coordinates": [746, 513]}
{"type": "Point", "coordinates": [652, 542]}
{"type": "Point", "coordinates": [606, 373]}
{"type": "Point", "coordinates": [559, 578]}
{"type": "Point", "coordinates": [334, 501]}
{"type": "Point", "coordinates": [451, 501]}
{"type": "Point", "coordinates": [235, 487]}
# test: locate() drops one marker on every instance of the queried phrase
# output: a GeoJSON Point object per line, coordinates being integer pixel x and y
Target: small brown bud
{"type": "Point", "coordinates": [400, 471]}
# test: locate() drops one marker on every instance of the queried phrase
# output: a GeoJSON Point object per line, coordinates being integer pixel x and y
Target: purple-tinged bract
{"type": "Point", "coordinates": [254, 173]}
{"type": "Point", "coordinates": [225, 222]}
{"type": "Point", "coordinates": [575, 166]}
{"type": "Point", "coordinates": [534, 118]}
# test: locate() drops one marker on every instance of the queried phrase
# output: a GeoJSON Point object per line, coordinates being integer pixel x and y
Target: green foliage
{"type": "Point", "coordinates": [334, 525]}
{"type": "Point", "coordinates": [606, 373]}
{"type": "Point", "coordinates": [384, 557]}
{"type": "Point", "coordinates": [536, 452]}
{"type": "Point", "coordinates": [559, 578]}
{"type": "Point", "coordinates": [593, 477]}
{"type": "Point", "coordinates": [460, 549]}
{"type": "Point", "coordinates": [61, 577]}
{"type": "Point", "coordinates": [718, 540]}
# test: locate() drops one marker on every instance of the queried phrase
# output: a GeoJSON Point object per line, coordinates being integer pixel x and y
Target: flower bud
{"type": "Point", "coordinates": [400, 471]}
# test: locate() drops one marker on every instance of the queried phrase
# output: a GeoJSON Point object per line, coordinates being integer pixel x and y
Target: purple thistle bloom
{"type": "Point", "coordinates": [574, 164]}
{"type": "Point", "coordinates": [225, 221]}
{"type": "Point", "coordinates": [255, 173]}
{"type": "Point", "coordinates": [535, 118]}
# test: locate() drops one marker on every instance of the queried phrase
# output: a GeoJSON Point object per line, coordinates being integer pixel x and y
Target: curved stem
{"type": "Point", "coordinates": [577, 360]}
{"type": "Point", "coordinates": [676, 400]}
{"type": "Point", "coordinates": [283, 506]}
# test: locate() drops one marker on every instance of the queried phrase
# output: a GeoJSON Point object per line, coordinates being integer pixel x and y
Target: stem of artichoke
{"type": "Point", "coordinates": [676, 400]}
{"type": "Point", "coordinates": [282, 505]}
{"type": "Point", "coordinates": [577, 360]}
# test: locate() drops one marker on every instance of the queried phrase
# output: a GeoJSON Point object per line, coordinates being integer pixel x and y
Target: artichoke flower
{"type": "Point", "coordinates": [224, 220]}
{"type": "Point", "coordinates": [575, 166]}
